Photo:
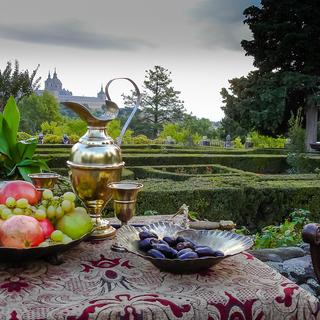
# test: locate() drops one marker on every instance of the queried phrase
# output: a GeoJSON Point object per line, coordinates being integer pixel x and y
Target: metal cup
{"type": "Point", "coordinates": [124, 196]}
{"type": "Point", "coordinates": [44, 180]}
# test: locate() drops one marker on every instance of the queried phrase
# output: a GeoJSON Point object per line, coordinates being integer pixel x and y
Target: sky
{"type": "Point", "coordinates": [91, 42]}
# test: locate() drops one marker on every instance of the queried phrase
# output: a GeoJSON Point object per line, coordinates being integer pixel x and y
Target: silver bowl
{"type": "Point", "coordinates": [227, 242]}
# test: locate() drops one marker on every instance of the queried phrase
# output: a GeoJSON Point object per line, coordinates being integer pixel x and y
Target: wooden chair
{"type": "Point", "coordinates": [311, 235]}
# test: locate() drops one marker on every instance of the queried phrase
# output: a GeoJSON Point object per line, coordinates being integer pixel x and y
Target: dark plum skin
{"type": "Point", "coordinates": [170, 241]}
{"type": "Point", "coordinates": [147, 234]}
{"type": "Point", "coordinates": [155, 254]}
{"type": "Point", "coordinates": [180, 239]}
{"type": "Point", "coordinates": [184, 245]}
{"type": "Point", "coordinates": [205, 251]}
{"type": "Point", "coordinates": [183, 251]}
{"type": "Point", "coordinates": [188, 255]}
{"type": "Point", "coordinates": [218, 253]}
{"type": "Point", "coordinates": [165, 249]}
{"type": "Point", "coordinates": [145, 244]}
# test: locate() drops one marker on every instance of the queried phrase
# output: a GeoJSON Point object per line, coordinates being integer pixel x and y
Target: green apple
{"type": "Point", "coordinates": [75, 224]}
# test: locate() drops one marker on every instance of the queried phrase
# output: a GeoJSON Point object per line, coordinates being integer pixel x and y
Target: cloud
{"type": "Point", "coordinates": [70, 34]}
{"type": "Point", "coordinates": [222, 22]}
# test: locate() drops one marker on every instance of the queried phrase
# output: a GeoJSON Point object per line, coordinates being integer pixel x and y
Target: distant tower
{"type": "Point", "coordinates": [53, 84]}
{"type": "Point", "coordinates": [101, 95]}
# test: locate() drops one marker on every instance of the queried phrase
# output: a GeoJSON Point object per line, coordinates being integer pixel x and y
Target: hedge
{"type": "Point", "coordinates": [127, 149]}
{"type": "Point", "coordinates": [251, 163]}
{"type": "Point", "coordinates": [247, 200]}
{"type": "Point", "coordinates": [182, 173]}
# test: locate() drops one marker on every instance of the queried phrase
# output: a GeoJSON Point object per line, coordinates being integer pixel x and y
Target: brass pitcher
{"type": "Point", "coordinates": [96, 160]}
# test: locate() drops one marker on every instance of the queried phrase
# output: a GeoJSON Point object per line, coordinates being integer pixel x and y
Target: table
{"type": "Point", "coordinates": [96, 283]}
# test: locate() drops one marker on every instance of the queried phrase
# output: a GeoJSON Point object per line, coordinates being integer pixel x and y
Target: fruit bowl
{"type": "Point", "coordinates": [51, 251]}
{"type": "Point", "coordinates": [227, 242]}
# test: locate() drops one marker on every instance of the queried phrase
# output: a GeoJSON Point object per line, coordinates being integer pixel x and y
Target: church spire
{"type": "Point", "coordinates": [55, 73]}
{"type": "Point", "coordinates": [49, 75]}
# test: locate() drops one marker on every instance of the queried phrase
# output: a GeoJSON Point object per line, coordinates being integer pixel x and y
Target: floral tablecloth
{"type": "Point", "coordinates": [96, 283]}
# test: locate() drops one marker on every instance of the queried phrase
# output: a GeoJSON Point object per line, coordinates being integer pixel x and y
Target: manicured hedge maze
{"type": "Point", "coordinates": [247, 186]}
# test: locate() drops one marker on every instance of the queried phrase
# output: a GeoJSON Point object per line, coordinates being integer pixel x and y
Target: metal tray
{"type": "Point", "coordinates": [228, 242]}
{"type": "Point", "coordinates": [51, 252]}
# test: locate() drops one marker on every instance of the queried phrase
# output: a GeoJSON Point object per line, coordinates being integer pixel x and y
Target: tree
{"type": "Point", "coordinates": [286, 38]}
{"type": "Point", "coordinates": [35, 110]}
{"type": "Point", "coordinates": [160, 101]}
{"type": "Point", "coordinates": [16, 83]}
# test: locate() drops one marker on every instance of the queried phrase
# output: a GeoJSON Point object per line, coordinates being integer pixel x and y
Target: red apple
{"type": "Point", "coordinates": [47, 227]}
{"type": "Point", "coordinates": [21, 232]}
{"type": "Point", "coordinates": [20, 189]}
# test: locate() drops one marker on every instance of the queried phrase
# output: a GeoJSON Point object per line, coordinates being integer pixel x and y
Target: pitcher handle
{"type": "Point", "coordinates": [136, 106]}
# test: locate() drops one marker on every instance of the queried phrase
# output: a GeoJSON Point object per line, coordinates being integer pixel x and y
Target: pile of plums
{"type": "Point", "coordinates": [173, 248]}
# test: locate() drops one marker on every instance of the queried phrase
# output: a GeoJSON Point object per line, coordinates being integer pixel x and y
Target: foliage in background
{"type": "Point", "coordinates": [160, 102]}
{"type": "Point", "coordinates": [296, 158]}
{"type": "Point", "coordinates": [286, 234]}
{"type": "Point", "coordinates": [237, 143]}
{"type": "Point", "coordinates": [296, 133]}
{"type": "Point", "coordinates": [262, 141]}
{"type": "Point", "coordinates": [35, 110]}
{"type": "Point", "coordinates": [114, 128]}
{"type": "Point", "coordinates": [16, 156]}
{"type": "Point", "coordinates": [16, 83]}
{"type": "Point", "coordinates": [284, 46]}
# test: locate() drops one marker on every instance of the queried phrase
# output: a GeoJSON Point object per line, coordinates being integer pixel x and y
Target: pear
{"type": "Point", "coordinates": [75, 224]}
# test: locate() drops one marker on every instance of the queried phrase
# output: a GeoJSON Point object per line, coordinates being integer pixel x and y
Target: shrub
{"type": "Point", "coordinates": [74, 138]}
{"type": "Point", "coordinates": [159, 141]}
{"type": "Point", "coordinates": [261, 141]}
{"type": "Point", "coordinates": [141, 139]}
{"type": "Point", "coordinates": [52, 138]}
{"type": "Point", "coordinates": [23, 136]}
{"type": "Point", "coordinates": [237, 143]}
{"type": "Point", "coordinates": [286, 234]}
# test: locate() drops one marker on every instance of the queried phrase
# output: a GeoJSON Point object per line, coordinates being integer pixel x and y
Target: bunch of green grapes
{"type": "Point", "coordinates": [51, 207]}
{"type": "Point", "coordinates": [15, 207]}
{"type": "Point", "coordinates": [55, 207]}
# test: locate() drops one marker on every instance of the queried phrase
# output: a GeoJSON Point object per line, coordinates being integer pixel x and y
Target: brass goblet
{"type": "Point", "coordinates": [44, 180]}
{"type": "Point", "coordinates": [124, 196]}
{"type": "Point", "coordinates": [90, 185]}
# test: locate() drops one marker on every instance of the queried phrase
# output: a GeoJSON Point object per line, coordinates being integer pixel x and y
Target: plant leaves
{"type": "Point", "coordinates": [4, 148]}
{"type": "Point", "coordinates": [12, 116]}
{"type": "Point", "coordinates": [26, 150]}
{"type": "Point", "coordinates": [24, 171]}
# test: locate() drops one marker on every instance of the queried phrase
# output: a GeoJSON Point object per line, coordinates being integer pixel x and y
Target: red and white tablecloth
{"type": "Point", "coordinates": [96, 283]}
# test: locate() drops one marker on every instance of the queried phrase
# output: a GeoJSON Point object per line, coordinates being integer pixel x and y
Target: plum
{"type": "Point", "coordinates": [188, 255]}
{"type": "Point", "coordinates": [205, 251]}
{"type": "Point", "coordinates": [180, 239]}
{"type": "Point", "coordinates": [155, 254]}
{"type": "Point", "coordinates": [145, 244]}
{"type": "Point", "coordinates": [170, 241]}
{"type": "Point", "coordinates": [184, 245]}
{"type": "Point", "coordinates": [183, 251]}
{"type": "Point", "coordinates": [147, 234]}
{"type": "Point", "coordinates": [165, 249]}
{"type": "Point", "coordinates": [218, 253]}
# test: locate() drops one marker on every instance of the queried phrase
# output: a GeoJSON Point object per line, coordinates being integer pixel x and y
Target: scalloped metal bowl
{"type": "Point", "coordinates": [16, 255]}
{"type": "Point", "coordinates": [227, 242]}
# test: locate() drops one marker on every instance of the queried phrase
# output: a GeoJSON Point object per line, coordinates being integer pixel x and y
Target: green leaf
{"type": "Point", "coordinates": [4, 148]}
{"type": "Point", "coordinates": [24, 171]}
{"type": "Point", "coordinates": [26, 150]}
{"type": "Point", "coordinates": [12, 116]}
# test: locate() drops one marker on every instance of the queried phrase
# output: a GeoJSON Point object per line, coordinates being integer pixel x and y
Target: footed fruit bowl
{"type": "Point", "coordinates": [202, 248]}
{"type": "Point", "coordinates": [51, 251]}
{"type": "Point", "coordinates": [36, 224]}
